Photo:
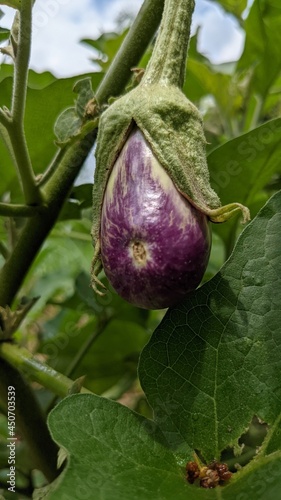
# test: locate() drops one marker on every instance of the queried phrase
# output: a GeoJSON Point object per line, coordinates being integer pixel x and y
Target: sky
{"type": "Point", "coordinates": [58, 25]}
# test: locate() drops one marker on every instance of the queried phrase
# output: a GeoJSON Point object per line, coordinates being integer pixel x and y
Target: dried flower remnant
{"type": "Point", "coordinates": [210, 476]}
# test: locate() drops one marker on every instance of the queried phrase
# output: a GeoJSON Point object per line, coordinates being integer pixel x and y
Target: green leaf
{"type": "Point", "coordinates": [262, 46]}
{"type": "Point", "coordinates": [4, 34]}
{"type": "Point", "coordinates": [67, 125]}
{"type": "Point", "coordinates": [232, 6]}
{"type": "Point", "coordinates": [215, 360]}
{"type": "Point", "coordinates": [212, 82]}
{"type": "Point", "coordinates": [106, 46]}
{"type": "Point", "coordinates": [85, 92]}
{"type": "Point", "coordinates": [71, 120]}
{"type": "Point", "coordinates": [115, 453]}
{"type": "Point", "coordinates": [242, 167]}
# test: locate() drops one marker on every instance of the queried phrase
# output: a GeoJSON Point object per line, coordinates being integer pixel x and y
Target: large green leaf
{"type": "Point", "coordinates": [116, 454]}
{"type": "Point", "coordinates": [242, 167]}
{"type": "Point", "coordinates": [215, 360]}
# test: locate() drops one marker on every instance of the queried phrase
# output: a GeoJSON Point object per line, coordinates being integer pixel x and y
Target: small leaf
{"type": "Point", "coordinates": [15, 4]}
{"type": "Point", "coordinates": [85, 93]}
{"type": "Point", "coordinates": [67, 125]}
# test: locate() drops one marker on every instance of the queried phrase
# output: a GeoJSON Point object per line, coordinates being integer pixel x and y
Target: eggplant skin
{"type": "Point", "coordinates": [155, 245]}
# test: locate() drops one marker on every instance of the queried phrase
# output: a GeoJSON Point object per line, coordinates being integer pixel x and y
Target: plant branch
{"type": "Point", "coordinates": [131, 50]}
{"type": "Point", "coordinates": [37, 371]}
{"type": "Point", "coordinates": [42, 179]}
{"type": "Point", "coordinates": [13, 210]}
{"type": "Point", "coordinates": [30, 421]}
{"type": "Point", "coordinates": [86, 346]}
{"type": "Point", "coordinates": [15, 127]}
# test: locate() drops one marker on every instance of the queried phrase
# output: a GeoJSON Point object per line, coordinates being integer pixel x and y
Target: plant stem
{"type": "Point", "coordinates": [13, 210]}
{"type": "Point", "coordinates": [51, 169]}
{"type": "Point", "coordinates": [167, 63]}
{"type": "Point", "coordinates": [37, 371]}
{"type": "Point", "coordinates": [16, 127]}
{"type": "Point", "coordinates": [86, 346]}
{"type": "Point", "coordinates": [30, 421]}
{"type": "Point", "coordinates": [131, 50]}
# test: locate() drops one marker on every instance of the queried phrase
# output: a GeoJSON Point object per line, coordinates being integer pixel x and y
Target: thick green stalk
{"type": "Point", "coordinates": [15, 127]}
{"type": "Point", "coordinates": [168, 61]}
{"type": "Point", "coordinates": [37, 371]}
{"type": "Point", "coordinates": [30, 421]}
{"type": "Point", "coordinates": [13, 210]}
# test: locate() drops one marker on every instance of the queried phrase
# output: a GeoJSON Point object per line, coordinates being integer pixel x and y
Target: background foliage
{"type": "Point", "coordinates": [211, 369]}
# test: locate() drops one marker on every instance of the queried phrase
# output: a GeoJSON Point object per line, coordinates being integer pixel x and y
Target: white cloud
{"type": "Point", "coordinates": [220, 39]}
{"type": "Point", "coordinates": [60, 24]}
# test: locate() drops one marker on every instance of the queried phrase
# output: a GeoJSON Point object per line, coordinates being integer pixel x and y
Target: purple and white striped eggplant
{"type": "Point", "coordinates": [154, 244]}
{"type": "Point", "coordinates": [152, 197]}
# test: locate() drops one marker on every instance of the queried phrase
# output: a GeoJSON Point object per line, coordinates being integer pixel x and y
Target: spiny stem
{"type": "Point", "coordinates": [168, 61]}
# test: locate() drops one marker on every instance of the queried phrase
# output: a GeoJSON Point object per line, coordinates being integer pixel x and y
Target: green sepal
{"type": "Point", "coordinates": [173, 128]}
{"type": "Point", "coordinates": [225, 212]}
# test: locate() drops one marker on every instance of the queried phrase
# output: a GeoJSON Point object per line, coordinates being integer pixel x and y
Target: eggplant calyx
{"type": "Point", "coordinates": [226, 212]}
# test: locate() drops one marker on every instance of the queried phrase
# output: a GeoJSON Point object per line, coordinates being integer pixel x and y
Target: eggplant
{"type": "Point", "coordinates": [155, 245]}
